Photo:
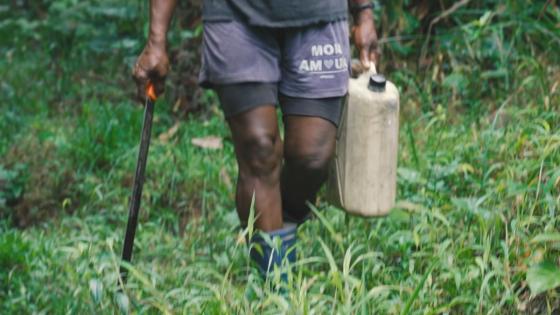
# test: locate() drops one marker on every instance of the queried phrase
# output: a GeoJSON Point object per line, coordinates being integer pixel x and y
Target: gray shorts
{"type": "Point", "coordinates": [305, 69]}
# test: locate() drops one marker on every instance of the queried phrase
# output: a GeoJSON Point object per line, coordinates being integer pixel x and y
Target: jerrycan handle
{"type": "Point", "coordinates": [366, 73]}
{"type": "Point", "coordinates": [372, 69]}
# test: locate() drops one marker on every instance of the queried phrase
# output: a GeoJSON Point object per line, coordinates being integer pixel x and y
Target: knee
{"type": "Point", "coordinates": [261, 154]}
{"type": "Point", "coordinates": [309, 159]}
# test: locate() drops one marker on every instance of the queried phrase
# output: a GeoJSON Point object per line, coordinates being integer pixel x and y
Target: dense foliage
{"type": "Point", "coordinates": [475, 230]}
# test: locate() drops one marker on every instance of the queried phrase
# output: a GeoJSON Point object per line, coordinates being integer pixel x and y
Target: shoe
{"type": "Point", "coordinates": [275, 249]}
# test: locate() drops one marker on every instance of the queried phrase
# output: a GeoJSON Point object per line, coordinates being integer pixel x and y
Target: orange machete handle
{"type": "Point", "coordinates": [151, 91]}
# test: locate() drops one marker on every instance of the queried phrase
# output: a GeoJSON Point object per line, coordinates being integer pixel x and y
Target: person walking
{"type": "Point", "coordinates": [257, 54]}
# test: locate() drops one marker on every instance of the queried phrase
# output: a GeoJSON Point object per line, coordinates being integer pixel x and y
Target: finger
{"type": "Point", "coordinates": [357, 68]}
{"type": "Point", "coordinates": [141, 86]}
{"type": "Point", "coordinates": [364, 57]}
{"type": "Point", "coordinates": [158, 81]}
{"type": "Point", "coordinates": [157, 77]}
{"type": "Point", "coordinates": [159, 85]}
{"type": "Point", "coordinates": [141, 79]}
{"type": "Point", "coordinates": [374, 57]}
{"type": "Point", "coordinates": [141, 91]}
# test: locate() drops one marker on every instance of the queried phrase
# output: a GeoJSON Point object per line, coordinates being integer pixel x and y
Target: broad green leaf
{"type": "Point", "coordinates": [123, 303]}
{"type": "Point", "coordinates": [455, 81]}
{"type": "Point", "coordinates": [96, 290]}
{"type": "Point", "coordinates": [542, 277]}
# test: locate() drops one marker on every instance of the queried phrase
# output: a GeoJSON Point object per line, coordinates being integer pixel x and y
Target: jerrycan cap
{"type": "Point", "coordinates": [377, 82]}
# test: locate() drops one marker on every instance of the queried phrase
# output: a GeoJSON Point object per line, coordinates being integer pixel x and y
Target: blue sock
{"type": "Point", "coordinates": [267, 257]}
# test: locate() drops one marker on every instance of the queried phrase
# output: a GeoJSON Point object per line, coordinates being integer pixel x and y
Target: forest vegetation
{"type": "Point", "coordinates": [475, 230]}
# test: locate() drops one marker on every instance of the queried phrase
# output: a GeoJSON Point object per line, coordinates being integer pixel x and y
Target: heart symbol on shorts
{"type": "Point", "coordinates": [328, 63]}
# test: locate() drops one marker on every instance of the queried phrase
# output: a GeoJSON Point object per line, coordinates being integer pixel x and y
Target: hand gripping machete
{"type": "Point", "coordinates": [138, 180]}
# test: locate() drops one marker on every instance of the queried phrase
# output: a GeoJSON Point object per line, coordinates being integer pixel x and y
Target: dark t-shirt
{"type": "Point", "coordinates": [276, 13]}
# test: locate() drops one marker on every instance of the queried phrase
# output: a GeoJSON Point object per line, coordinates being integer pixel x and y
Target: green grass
{"type": "Point", "coordinates": [475, 230]}
{"type": "Point", "coordinates": [460, 240]}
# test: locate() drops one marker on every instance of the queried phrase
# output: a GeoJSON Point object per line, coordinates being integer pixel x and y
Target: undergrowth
{"type": "Point", "coordinates": [475, 230]}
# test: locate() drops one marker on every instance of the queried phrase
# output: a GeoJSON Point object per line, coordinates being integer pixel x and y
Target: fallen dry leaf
{"type": "Point", "coordinates": [211, 142]}
{"type": "Point", "coordinates": [166, 136]}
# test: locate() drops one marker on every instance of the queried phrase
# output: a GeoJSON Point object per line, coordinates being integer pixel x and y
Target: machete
{"type": "Point", "coordinates": [134, 204]}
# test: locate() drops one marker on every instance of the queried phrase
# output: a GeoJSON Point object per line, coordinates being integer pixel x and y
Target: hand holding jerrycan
{"type": "Point", "coordinates": [363, 173]}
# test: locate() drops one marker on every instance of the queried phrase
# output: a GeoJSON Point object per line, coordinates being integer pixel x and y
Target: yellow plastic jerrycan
{"type": "Point", "coordinates": [363, 173]}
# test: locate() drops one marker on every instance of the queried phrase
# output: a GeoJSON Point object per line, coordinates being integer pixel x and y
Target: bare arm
{"type": "Point", "coordinates": [153, 63]}
{"type": "Point", "coordinates": [364, 33]}
{"type": "Point", "coordinates": [161, 12]}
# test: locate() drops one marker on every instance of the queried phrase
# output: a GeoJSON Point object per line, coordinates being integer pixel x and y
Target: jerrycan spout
{"type": "Point", "coordinates": [377, 82]}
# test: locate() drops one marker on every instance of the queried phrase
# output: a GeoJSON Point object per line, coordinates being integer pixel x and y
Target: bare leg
{"type": "Point", "coordinates": [258, 148]}
{"type": "Point", "coordinates": [308, 147]}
